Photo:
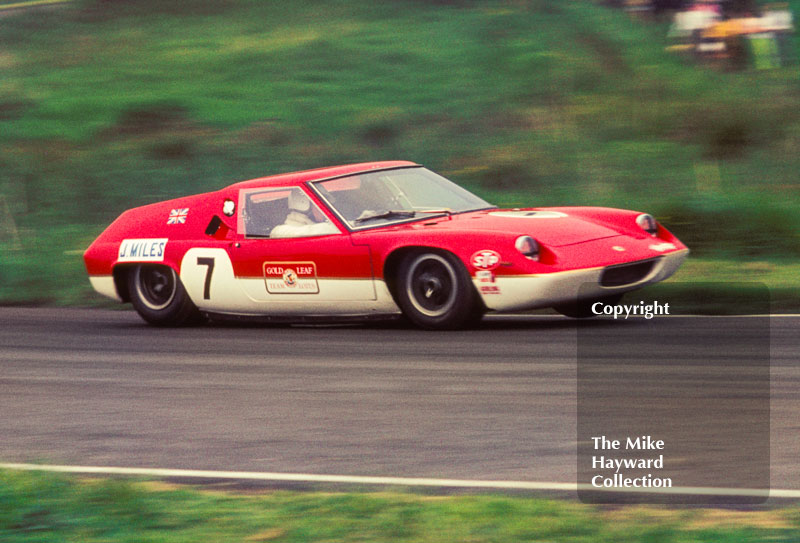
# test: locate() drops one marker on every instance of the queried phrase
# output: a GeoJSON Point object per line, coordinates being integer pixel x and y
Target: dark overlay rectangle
{"type": "Point", "coordinates": [670, 403]}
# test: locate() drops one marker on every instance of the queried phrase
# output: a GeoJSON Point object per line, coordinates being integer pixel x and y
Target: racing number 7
{"type": "Point", "coordinates": [209, 262]}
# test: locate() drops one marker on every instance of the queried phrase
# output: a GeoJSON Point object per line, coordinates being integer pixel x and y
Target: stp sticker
{"type": "Point", "coordinates": [485, 260]}
{"type": "Point", "coordinates": [142, 250]}
{"type": "Point", "coordinates": [291, 277]}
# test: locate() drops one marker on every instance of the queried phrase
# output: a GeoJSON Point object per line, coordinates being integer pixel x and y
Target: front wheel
{"type": "Point", "coordinates": [435, 291]}
{"type": "Point", "coordinates": [158, 296]}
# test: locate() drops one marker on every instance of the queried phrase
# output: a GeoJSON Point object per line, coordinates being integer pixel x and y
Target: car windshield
{"type": "Point", "coordinates": [389, 196]}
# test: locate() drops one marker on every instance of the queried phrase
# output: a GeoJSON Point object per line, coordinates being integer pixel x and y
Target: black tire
{"type": "Point", "coordinates": [158, 296]}
{"type": "Point", "coordinates": [435, 292]}
{"type": "Point", "coordinates": [583, 309]}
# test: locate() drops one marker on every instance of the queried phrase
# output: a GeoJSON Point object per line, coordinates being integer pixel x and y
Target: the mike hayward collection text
{"type": "Point", "coordinates": [620, 480]}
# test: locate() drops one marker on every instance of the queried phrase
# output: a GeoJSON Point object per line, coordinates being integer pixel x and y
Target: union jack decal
{"type": "Point", "coordinates": [178, 216]}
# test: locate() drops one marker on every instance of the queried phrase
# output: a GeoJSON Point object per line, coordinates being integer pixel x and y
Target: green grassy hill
{"type": "Point", "coordinates": [105, 105]}
{"type": "Point", "coordinates": [44, 508]}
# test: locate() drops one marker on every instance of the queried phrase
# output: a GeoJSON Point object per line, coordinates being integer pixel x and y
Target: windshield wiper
{"type": "Point", "coordinates": [441, 211]}
{"type": "Point", "coordinates": [401, 214]}
{"type": "Point", "coordinates": [393, 214]}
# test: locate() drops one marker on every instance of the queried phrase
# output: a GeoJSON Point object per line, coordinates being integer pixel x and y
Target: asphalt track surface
{"type": "Point", "coordinates": [101, 388]}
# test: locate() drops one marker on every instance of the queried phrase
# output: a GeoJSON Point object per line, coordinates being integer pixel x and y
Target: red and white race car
{"type": "Point", "coordinates": [371, 239]}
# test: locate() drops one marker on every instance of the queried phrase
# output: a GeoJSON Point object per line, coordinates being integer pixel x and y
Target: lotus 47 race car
{"type": "Point", "coordinates": [374, 239]}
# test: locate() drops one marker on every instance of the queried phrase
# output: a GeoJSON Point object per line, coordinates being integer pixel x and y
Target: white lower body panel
{"type": "Point", "coordinates": [104, 284]}
{"type": "Point", "coordinates": [331, 300]}
{"type": "Point", "coordinates": [546, 290]}
{"type": "Point", "coordinates": [309, 296]}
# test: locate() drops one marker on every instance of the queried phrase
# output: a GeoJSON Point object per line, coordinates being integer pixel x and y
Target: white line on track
{"type": "Point", "coordinates": [392, 481]}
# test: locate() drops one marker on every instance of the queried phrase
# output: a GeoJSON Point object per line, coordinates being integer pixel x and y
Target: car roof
{"type": "Point", "coordinates": [296, 178]}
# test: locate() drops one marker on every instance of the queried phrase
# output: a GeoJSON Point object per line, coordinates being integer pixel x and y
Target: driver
{"type": "Point", "coordinates": [299, 208]}
{"type": "Point", "coordinates": [299, 222]}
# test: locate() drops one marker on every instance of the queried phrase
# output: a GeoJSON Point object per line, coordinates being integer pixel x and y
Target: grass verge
{"type": "Point", "coordinates": [46, 507]}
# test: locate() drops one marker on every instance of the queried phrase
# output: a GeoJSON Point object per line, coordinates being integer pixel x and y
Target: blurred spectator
{"type": "Point", "coordinates": [730, 33]}
{"type": "Point", "coordinates": [697, 18]}
{"type": "Point", "coordinates": [779, 20]}
{"type": "Point", "coordinates": [690, 24]}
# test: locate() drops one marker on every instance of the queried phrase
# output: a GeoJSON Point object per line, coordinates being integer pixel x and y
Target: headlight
{"type": "Point", "coordinates": [647, 223]}
{"type": "Point", "coordinates": [528, 247]}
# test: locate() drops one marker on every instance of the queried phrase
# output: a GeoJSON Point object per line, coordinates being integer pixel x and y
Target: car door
{"type": "Point", "coordinates": [317, 268]}
{"type": "Point", "coordinates": [304, 271]}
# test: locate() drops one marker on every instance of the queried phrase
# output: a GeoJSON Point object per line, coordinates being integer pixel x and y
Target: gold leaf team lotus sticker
{"type": "Point", "coordinates": [291, 277]}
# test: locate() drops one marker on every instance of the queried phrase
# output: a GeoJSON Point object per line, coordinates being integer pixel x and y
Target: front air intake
{"type": "Point", "coordinates": [626, 274]}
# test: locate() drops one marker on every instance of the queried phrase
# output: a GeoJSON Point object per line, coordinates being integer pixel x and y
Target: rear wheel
{"type": "Point", "coordinates": [435, 291]}
{"type": "Point", "coordinates": [158, 296]}
{"type": "Point", "coordinates": [582, 309]}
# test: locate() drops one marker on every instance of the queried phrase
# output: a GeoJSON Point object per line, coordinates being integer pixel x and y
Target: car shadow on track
{"type": "Point", "coordinates": [489, 323]}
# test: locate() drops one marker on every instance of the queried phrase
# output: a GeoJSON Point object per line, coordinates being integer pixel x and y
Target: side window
{"type": "Point", "coordinates": [281, 213]}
